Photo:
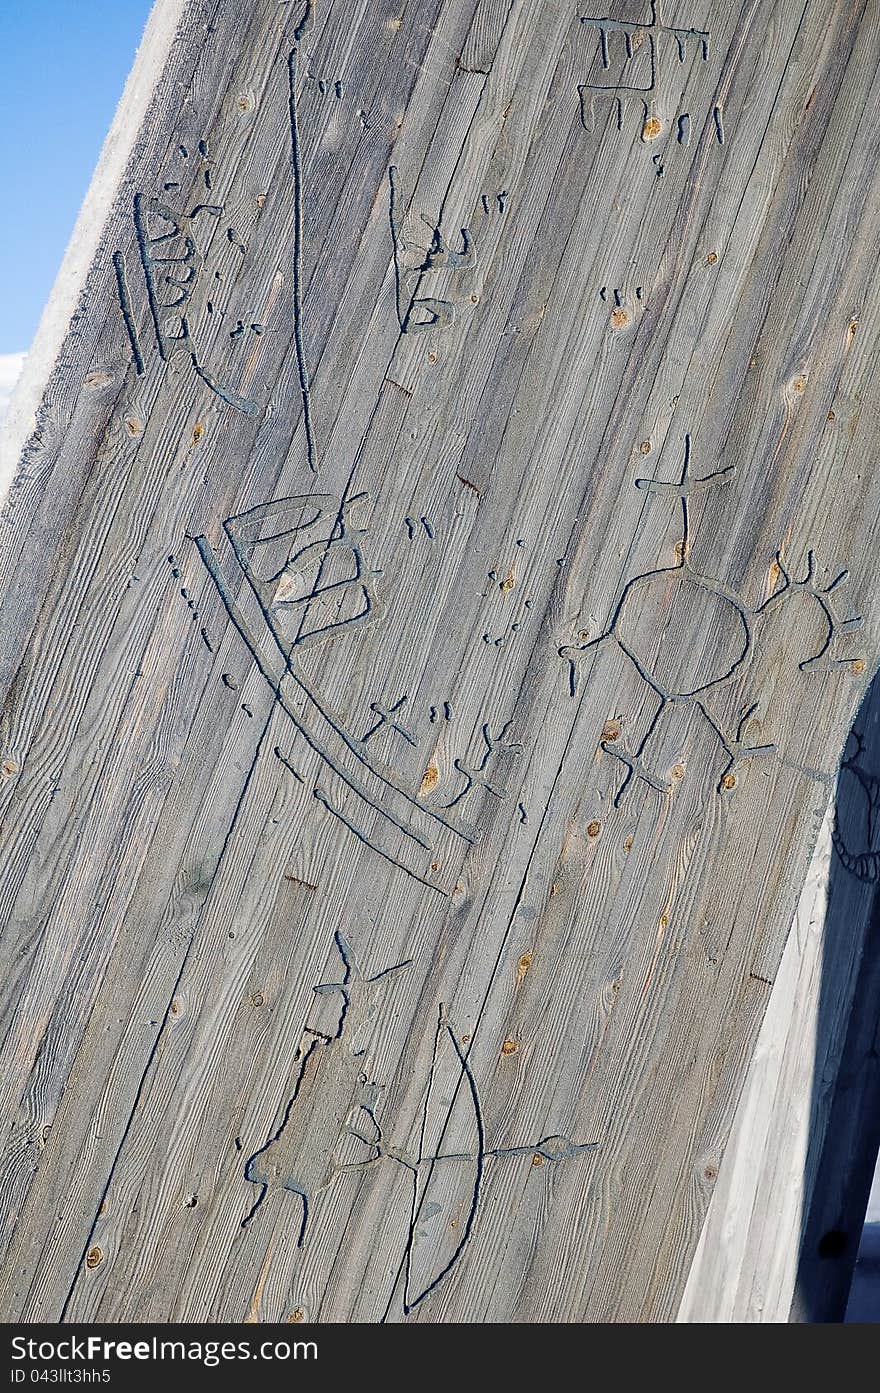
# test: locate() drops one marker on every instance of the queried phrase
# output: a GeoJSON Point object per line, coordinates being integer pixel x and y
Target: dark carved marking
{"type": "Point", "coordinates": [299, 1154]}
{"type": "Point", "coordinates": [171, 280]}
{"type": "Point", "coordinates": [409, 1302]}
{"type": "Point", "coordinates": [334, 1098]}
{"type": "Point", "coordinates": [834, 626]}
{"type": "Point", "coordinates": [437, 256]}
{"type": "Point", "coordinates": [736, 749]}
{"type": "Point", "coordinates": [296, 159]}
{"type": "Point", "coordinates": [477, 776]}
{"type": "Point", "coordinates": [280, 755]}
{"type": "Point", "coordinates": [552, 1148]}
{"type": "Point", "coordinates": [733, 747]}
{"type": "Point", "coordinates": [316, 701]}
{"type": "Point", "coordinates": [618, 293]}
{"type": "Point", "coordinates": [386, 717]}
{"type": "Point", "coordinates": [307, 20]}
{"type": "Point", "coordinates": [864, 863]}
{"type": "Point", "coordinates": [374, 846]}
{"type": "Point", "coordinates": [341, 539]}
{"type": "Point", "coordinates": [125, 307]}
{"type": "Point", "coordinates": [633, 36]}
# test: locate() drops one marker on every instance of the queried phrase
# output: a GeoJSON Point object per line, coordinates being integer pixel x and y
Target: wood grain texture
{"type": "Point", "coordinates": [429, 555]}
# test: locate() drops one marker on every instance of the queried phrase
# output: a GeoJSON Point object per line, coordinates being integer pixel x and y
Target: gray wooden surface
{"type": "Point", "coordinates": [426, 557]}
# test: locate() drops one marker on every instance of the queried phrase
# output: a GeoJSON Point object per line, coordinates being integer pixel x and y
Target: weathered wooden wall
{"type": "Point", "coordinates": [430, 552]}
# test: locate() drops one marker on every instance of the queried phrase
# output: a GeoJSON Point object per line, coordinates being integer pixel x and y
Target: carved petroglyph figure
{"type": "Point", "coordinates": [660, 589]}
{"type": "Point", "coordinates": [172, 260]}
{"type": "Point", "coordinates": [631, 53]}
{"type": "Point", "coordinates": [482, 775]}
{"type": "Point", "coordinates": [324, 583]}
{"type": "Point", "coordinates": [335, 1102]}
{"type": "Point", "coordinates": [322, 589]}
{"type": "Point", "coordinates": [437, 256]}
{"type": "Point", "coordinates": [332, 1091]}
{"type": "Point", "coordinates": [856, 831]}
{"type": "Point", "coordinates": [323, 565]}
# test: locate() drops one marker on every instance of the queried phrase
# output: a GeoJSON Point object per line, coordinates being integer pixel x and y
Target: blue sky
{"type": "Point", "coordinates": [63, 65]}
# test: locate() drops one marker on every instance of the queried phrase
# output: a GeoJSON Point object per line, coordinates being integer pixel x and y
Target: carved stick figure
{"type": "Point", "coordinates": [654, 591]}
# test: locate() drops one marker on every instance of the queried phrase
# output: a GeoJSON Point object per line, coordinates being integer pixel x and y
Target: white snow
{"type": "Point", "coordinates": [10, 367]}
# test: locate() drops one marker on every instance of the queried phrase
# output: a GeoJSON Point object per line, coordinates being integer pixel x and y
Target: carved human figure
{"type": "Point", "coordinates": [695, 604]}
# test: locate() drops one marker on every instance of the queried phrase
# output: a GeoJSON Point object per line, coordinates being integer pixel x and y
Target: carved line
{"type": "Point", "coordinates": [549, 1147]}
{"type": "Point", "coordinates": [374, 846]}
{"type": "Point", "coordinates": [628, 30]}
{"type": "Point", "coordinates": [276, 1136]}
{"type": "Point", "coordinates": [279, 754]}
{"type": "Point", "coordinates": [620, 91]}
{"type": "Point", "coordinates": [249, 408]}
{"type": "Point", "coordinates": [395, 253]}
{"type": "Point", "coordinates": [307, 20]}
{"type": "Point", "coordinates": [311, 740]}
{"type": "Point", "coordinates": [807, 584]}
{"type": "Point", "coordinates": [353, 973]}
{"type": "Point", "coordinates": [192, 263]}
{"type": "Point", "coordinates": [125, 307]}
{"type": "Point", "coordinates": [386, 715]}
{"type": "Point", "coordinates": [353, 987]}
{"type": "Point", "coordinates": [437, 254]}
{"type": "Point", "coordinates": [296, 160]}
{"type": "Point", "coordinates": [409, 1305]}
{"type": "Point", "coordinates": [385, 775]}
{"type": "Point", "coordinates": [495, 745]}
{"type": "Point", "coordinates": [142, 236]}
{"type": "Point", "coordinates": [338, 535]}
{"type": "Point", "coordinates": [736, 749]}
{"type": "Point", "coordinates": [352, 977]}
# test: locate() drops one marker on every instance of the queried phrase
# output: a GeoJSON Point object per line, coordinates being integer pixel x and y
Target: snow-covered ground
{"type": "Point", "coordinates": [10, 367]}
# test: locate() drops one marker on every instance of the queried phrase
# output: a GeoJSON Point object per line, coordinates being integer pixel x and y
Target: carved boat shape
{"type": "Point", "coordinates": [273, 645]}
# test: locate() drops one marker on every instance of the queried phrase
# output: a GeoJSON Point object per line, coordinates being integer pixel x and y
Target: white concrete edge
{"type": "Point", "coordinates": [150, 59]}
{"type": "Point", "coordinates": [789, 1024]}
